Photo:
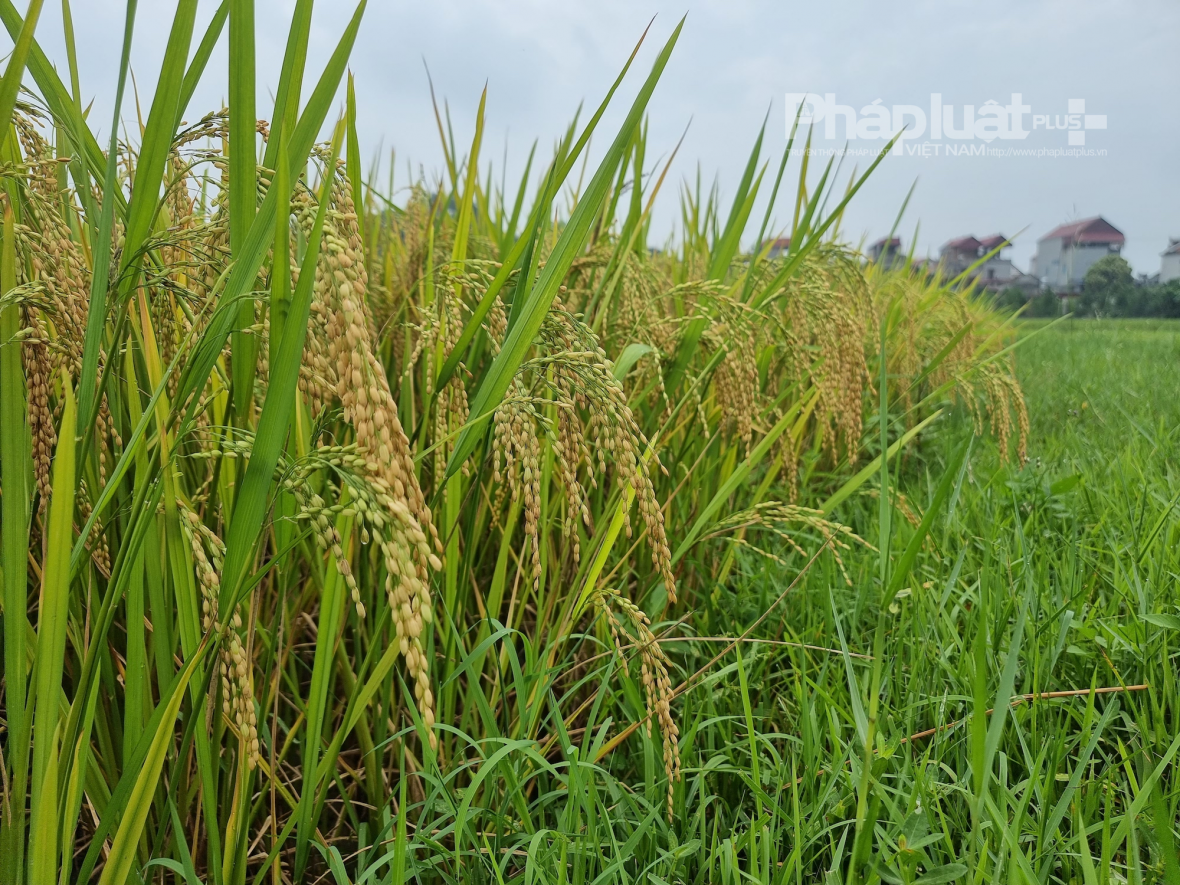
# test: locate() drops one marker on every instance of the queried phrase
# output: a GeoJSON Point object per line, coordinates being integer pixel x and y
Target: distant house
{"type": "Point", "coordinates": [1065, 253]}
{"type": "Point", "coordinates": [777, 248]}
{"type": "Point", "coordinates": [997, 272]}
{"type": "Point", "coordinates": [1170, 262]}
{"type": "Point", "coordinates": [886, 250]}
{"type": "Point", "coordinates": [958, 255]}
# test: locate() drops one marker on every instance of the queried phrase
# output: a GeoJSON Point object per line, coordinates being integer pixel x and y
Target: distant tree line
{"type": "Point", "coordinates": [1109, 290]}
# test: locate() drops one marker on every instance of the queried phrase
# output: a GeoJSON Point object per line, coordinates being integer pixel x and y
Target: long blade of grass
{"type": "Point", "coordinates": [57, 97]}
{"type": "Point", "coordinates": [157, 136]}
{"type": "Point", "coordinates": [124, 846]}
{"type": "Point", "coordinates": [286, 109]}
{"type": "Point", "coordinates": [815, 236]}
{"type": "Point", "coordinates": [743, 201]}
{"type": "Point", "coordinates": [242, 274]}
{"type": "Point", "coordinates": [512, 260]}
{"type": "Point", "coordinates": [259, 239]}
{"type": "Point", "coordinates": [104, 240]}
{"type": "Point", "coordinates": [43, 833]}
{"type": "Point", "coordinates": [1144, 796]}
{"type": "Point", "coordinates": [901, 569]}
{"type": "Point", "coordinates": [851, 485]}
{"type": "Point", "coordinates": [353, 157]}
{"type": "Point", "coordinates": [571, 242]}
{"type": "Point", "coordinates": [275, 420]}
{"type": "Point", "coordinates": [15, 482]}
{"type": "Point", "coordinates": [52, 617]}
{"type": "Point", "coordinates": [332, 603]}
{"type": "Point", "coordinates": [14, 72]}
{"type": "Point", "coordinates": [196, 67]}
{"type": "Point", "coordinates": [243, 187]}
{"type": "Point", "coordinates": [738, 477]}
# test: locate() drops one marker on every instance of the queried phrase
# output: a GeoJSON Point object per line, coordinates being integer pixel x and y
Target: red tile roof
{"type": "Point", "coordinates": [963, 244]}
{"type": "Point", "coordinates": [1088, 230]}
{"type": "Point", "coordinates": [994, 241]}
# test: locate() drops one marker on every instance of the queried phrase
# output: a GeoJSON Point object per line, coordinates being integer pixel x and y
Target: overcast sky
{"type": "Point", "coordinates": [735, 60]}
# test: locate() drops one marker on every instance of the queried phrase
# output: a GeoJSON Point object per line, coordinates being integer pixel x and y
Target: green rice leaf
{"type": "Point", "coordinates": [539, 297]}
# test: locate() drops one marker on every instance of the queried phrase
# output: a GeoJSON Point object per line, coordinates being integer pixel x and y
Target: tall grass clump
{"type": "Point", "coordinates": [449, 533]}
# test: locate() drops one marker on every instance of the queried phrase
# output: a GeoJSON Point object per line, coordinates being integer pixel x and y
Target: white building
{"type": "Point", "coordinates": [1170, 261]}
{"type": "Point", "coordinates": [1067, 252]}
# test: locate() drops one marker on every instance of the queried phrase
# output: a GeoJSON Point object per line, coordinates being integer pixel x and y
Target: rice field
{"type": "Point", "coordinates": [434, 531]}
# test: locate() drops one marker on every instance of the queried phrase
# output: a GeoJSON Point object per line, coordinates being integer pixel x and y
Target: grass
{"type": "Point", "coordinates": [1121, 372]}
{"type": "Point", "coordinates": [443, 532]}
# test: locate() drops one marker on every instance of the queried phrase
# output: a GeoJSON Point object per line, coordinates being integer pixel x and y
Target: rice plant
{"type": "Point", "coordinates": [447, 532]}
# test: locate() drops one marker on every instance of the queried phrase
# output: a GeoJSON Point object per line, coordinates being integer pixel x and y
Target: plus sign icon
{"type": "Point", "coordinates": [1076, 122]}
{"type": "Point", "coordinates": [1077, 108]}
